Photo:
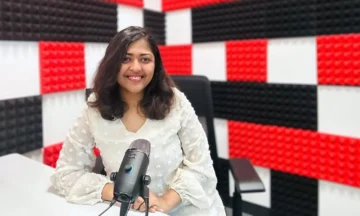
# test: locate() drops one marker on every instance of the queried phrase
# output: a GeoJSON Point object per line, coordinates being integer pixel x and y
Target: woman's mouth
{"type": "Point", "coordinates": [135, 77]}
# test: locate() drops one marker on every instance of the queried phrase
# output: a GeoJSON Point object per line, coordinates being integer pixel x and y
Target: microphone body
{"type": "Point", "coordinates": [131, 180]}
{"type": "Point", "coordinates": [130, 175]}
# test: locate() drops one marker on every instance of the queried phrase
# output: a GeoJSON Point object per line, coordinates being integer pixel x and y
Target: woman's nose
{"type": "Point", "coordinates": [135, 66]}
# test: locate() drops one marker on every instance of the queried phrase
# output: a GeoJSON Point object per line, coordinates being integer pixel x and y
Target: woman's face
{"type": "Point", "coordinates": [137, 68]}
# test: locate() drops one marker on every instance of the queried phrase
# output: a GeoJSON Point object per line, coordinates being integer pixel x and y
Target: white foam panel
{"type": "Point", "coordinates": [336, 199]}
{"type": "Point", "coordinates": [129, 16]}
{"type": "Point", "coordinates": [154, 5]}
{"type": "Point", "coordinates": [178, 27]}
{"type": "Point", "coordinates": [19, 63]}
{"type": "Point", "coordinates": [209, 59]}
{"type": "Point", "coordinates": [94, 52]}
{"type": "Point", "coordinates": [338, 110]}
{"type": "Point", "coordinates": [292, 60]}
{"type": "Point", "coordinates": [222, 140]}
{"type": "Point", "coordinates": [59, 113]}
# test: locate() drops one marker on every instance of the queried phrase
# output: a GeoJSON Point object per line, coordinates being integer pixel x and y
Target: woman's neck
{"type": "Point", "coordinates": [131, 99]}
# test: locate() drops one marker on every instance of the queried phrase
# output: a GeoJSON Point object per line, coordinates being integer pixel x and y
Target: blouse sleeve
{"type": "Point", "coordinates": [195, 181]}
{"type": "Point", "coordinates": [73, 177]}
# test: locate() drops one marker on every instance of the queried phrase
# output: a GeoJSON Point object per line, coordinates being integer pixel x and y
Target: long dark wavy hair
{"type": "Point", "coordinates": [158, 94]}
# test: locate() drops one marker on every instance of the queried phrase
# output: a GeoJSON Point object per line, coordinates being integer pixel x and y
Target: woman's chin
{"type": "Point", "coordinates": [134, 89]}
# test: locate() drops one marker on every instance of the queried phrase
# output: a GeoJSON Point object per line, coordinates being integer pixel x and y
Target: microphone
{"type": "Point", "coordinates": [131, 180]}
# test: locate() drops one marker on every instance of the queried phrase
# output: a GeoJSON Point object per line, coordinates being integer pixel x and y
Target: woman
{"type": "Point", "coordinates": [134, 98]}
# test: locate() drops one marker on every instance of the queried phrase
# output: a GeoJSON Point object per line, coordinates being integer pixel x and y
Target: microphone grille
{"type": "Point", "coordinates": [142, 145]}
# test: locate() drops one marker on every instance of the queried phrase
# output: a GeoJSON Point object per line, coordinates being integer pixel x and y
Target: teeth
{"type": "Point", "coordinates": [135, 78]}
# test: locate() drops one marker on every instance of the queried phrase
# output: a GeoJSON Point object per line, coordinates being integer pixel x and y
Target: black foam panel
{"type": "Point", "coordinates": [336, 17]}
{"type": "Point", "coordinates": [254, 19]}
{"type": "Point", "coordinates": [229, 21]}
{"type": "Point", "coordinates": [155, 22]}
{"type": "Point", "coordinates": [272, 104]}
{"type": "Point", "coordinates": [287, 18]}
{"type": "Point", "coordinates": [60, 20]}
{"type": "Point", "coordinates": [293, 195]}
{"type": "Point", "coordinates": [21, 125]}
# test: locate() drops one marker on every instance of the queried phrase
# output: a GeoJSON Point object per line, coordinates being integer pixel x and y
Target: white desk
{"type": "Point", "coordinates": [25, 190]}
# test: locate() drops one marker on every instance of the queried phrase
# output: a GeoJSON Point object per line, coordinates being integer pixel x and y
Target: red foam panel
{"type": "Point", "coordinates": [307, 153]}
{"type": "Point", "coordinates": [136, 3]}
{"type": "Point", "coordinates": [62, 66]}
{"type": "Point", "coordinates": [338, 58]}
{"type": "Point", "coordinates": [246, 60]}
{"type": "Point", "coordinates": [51, 154]}
{"type": "Point", "coordinates": [168, 5]}
{"type": "Point", "coordinates": [177, 59]}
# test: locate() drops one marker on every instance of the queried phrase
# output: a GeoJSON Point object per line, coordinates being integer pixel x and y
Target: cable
{"type": "Point", "coordinates": [111, 204]}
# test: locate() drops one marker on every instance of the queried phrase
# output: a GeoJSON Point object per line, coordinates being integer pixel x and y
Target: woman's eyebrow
{"type": "Point", "coordinates": [142, 54]}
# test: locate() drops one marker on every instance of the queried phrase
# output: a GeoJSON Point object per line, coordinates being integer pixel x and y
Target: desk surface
{"type": "Point", "coordinates": [26, 190]}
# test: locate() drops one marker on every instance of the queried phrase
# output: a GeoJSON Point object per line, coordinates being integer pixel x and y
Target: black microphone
{"type": "Point", "coordinates": [131, 180]}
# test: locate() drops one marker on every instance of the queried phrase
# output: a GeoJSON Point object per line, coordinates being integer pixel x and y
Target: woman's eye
{"type": "Point", "coordinates": [146, 59]}
{"type": "Point", "coordinates": [126, 59]}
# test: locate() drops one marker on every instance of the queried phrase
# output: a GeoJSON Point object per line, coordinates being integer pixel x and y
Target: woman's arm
{"type": "Point", "coordinates": [195, 182]}
{"type": "Point", "coordinates": [73, 177]}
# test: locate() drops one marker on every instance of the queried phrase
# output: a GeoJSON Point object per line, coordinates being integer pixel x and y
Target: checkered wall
{"type": "Point", "coordinates": [285, 77]}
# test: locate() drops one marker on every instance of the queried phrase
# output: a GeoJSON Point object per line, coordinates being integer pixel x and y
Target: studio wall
{"type": "Point", "coordinates": [285, 78]}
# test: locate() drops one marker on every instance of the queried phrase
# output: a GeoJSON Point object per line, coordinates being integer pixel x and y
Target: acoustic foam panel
{"type": "Point", "coordinates": [168, 5]}
{"type": "Point", "coordinates": [51, 154]}
{"type": "Point", "coordinates": [155, 23]}
{"type": "Point", "coordinates": [93, 54]}
{"type": "Point", "coordinates": [60, 20]}
{"type": "Point", "coordinates": [154, 5]}
{"type": "Point", "coordinates": [293, 195]}
{"type": "Point", "coordinates": [287, 18]}
{"type": "Point", "coordinates": [338, 199]}
{"type": "Point", "coordinates": [338, 108]}
{"type": "Point", "coordinates": [129, 16]}
{"type": "Point", "coordinates": [177, 59]}
{"type": "Point", "coordinates": [209, 59]}
{"type": "Point", "coordinates": [20, 69]}
{"type": "Point", "coordinates": [174, 21]}
{"type": "Point", "coordinates": [134, 3]}
{"type": "Point", "coordinates": [297, 151]}
{"type": "Point", "coordinates": [337, 17]}
{"type": "Point", "coordinates": [62, 66]}
{"type": "Point", "coordinates": [229, 21]}
{"type": "Point", "coordinates": [292, 60]}
{"type": "Point", "coordinates": [338, 58]}
{"type": "Point", "coordinates": [270, 104]}
{"type": "Point", "coordinates": [246, 60]}
{"type": "Point", "coordinates": [221, 136]}
{"type": "Point", "coordinates": [20, 125]}
{"type": "Point", "coordinates": [59, 113]}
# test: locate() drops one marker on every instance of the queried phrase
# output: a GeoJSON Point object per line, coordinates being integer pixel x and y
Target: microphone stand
{"type": "Point", "coordinates": [143, 193]}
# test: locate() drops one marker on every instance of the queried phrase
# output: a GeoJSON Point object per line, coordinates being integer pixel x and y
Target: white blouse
{"type": "Point", "coordinates": [179, 158]}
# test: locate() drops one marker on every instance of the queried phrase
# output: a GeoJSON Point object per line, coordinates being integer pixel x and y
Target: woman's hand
{"type": "Point", "coordinates": [156, 203]}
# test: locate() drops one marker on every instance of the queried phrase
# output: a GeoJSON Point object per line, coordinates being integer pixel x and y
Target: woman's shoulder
{"type": "Point", "coordinates": [180, 99]}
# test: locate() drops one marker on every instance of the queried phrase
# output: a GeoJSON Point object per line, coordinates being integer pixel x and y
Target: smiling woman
{"type": "Point", "coordinates": [131, 70]}
{"type": "Point", "coordinates": [133, 98]}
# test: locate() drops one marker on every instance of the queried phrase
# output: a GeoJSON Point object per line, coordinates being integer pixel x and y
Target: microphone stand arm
{"type": "Point", "coordinates": [144, 192]}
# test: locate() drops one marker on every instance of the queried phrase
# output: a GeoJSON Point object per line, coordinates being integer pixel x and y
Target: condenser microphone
{"type": "Point", "coordinates": [131, 180]}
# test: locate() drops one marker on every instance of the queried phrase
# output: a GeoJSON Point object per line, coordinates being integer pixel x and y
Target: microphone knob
{"type": "Point", "coordinates": [146, 180]}
{"type": "Point", "coordinates": [113, 176]}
